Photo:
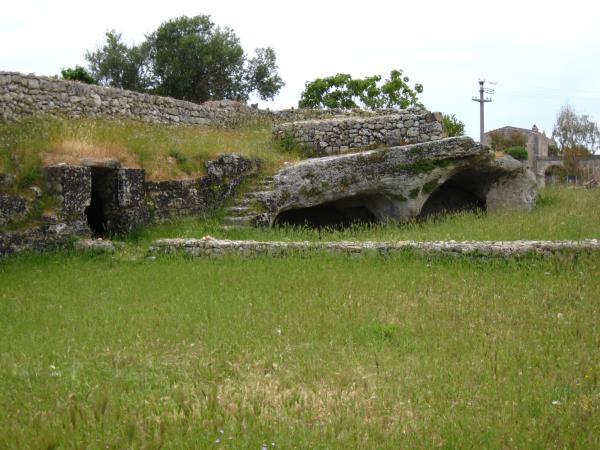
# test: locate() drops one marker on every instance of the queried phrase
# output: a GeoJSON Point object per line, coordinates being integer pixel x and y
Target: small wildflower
{"type": "Point", "coordinates": [217, 441]}
{"type": "Point", "coordinates": [555, 402]}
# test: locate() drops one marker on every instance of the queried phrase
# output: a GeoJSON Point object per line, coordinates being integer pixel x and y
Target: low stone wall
{"type": "Point", "coordinates": [127, 200]}
{"type": "Point", "coordinates": [344, 134]}
{"type": "Point", "coordinates": [209, 246]}
{"type": "Point", "coordinates": [24, 95]}
{"type": "Point", "coordinates": [177, 198]}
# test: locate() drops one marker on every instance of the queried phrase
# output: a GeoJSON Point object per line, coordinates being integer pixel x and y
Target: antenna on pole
{"type": "Point", "coordinates": [482, 100]}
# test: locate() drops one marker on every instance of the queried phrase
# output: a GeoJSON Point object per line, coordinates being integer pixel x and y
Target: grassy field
{"type": "Point", "coordinates": [164, 152]}
{"type": "Point", "coordinates": [308, 351]}
{"type": "Point", "coordinates": [302, 352]}
{"type": "Point", "coordinates": [560, 213]}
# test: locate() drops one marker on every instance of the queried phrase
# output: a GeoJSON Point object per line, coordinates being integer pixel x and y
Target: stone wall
{"type": "Point", "coordinates": [345, 134]}
{"type": "Point", "coordinates": [25, 95]}
{"type": "Point", "coordinates": [119, 198]}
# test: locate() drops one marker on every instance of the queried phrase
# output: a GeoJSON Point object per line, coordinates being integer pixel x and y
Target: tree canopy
{"type": "Point", "coordinates": [574, 131]}
{"type": "Point", "coordinates": [189, 58]}
{"type": "Point", "coordinates": [343, 91]}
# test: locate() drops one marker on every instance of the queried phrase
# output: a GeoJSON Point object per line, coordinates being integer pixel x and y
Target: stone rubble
{"type": "Point", "coordinates": [209, 246]}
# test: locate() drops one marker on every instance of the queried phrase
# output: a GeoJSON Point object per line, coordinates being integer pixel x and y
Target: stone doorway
{"type": "Point", "coordinates": [102, 200]}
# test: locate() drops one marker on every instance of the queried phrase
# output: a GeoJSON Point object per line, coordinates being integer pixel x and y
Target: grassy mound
{"type": "Point", "coordinates": [164, 152]}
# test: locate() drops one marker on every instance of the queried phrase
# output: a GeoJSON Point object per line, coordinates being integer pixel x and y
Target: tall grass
{"type": "Point", "coordinates": [560, 213]}
{"type": "Point", "coordinates": [316, 351]}
{"type": "Point", "coordinates": [165, 152]}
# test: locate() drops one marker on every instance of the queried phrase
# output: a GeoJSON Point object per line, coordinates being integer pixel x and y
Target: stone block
{"type": "Point", "coordinates": [130, 187]}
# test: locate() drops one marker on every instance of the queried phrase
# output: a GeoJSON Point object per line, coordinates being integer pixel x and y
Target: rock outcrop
{"type": "Point", "coordinates": [399, 183]}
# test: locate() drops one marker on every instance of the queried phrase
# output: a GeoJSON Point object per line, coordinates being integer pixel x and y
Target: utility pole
{"type": "Point", "coordinates": [481, 101]}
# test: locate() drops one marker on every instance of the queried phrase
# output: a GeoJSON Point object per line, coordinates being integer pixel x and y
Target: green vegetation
{"type": "Point", "coordinates": [576, 132]}
{"type": "Point", "coordinates": [78, 74]}
{"type": "Point", "coordinates": [308, 351]}
{"type": "Point", "coordinates": [561, 213]}
{"type": "Point", "coordinates": [518, 152]}
{"type": "Point", "coordinates": [452, 126]}
{"type": "Point", "coordinates": [343, 91]}
{"type": "Point", "coordinates": [164, 152]}
{"type": "Point", "coordinates": [189, 58]}
{"type": "Point", "coordinates": [500, 142]}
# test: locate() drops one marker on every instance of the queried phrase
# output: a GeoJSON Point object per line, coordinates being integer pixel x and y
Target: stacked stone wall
{"type": "Point", "coordinates": [129, 200]}
{"type": "Point", "coordinates": [346, 134]}
{"type": "Point", "coordinates": [25, 95]}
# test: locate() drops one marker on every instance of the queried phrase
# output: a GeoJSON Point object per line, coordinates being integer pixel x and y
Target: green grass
{"type": "Point", "coordinates": [311, 350]}
{"type": "Point", "coordinates": [165, 152]}
{"type": "Point", "coordinates": [560, 213]}
{"type": "Point", "coordinates": [301, 352]}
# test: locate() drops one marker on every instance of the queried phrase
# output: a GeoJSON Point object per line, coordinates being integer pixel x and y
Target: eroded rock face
{"type": "Point", "coordinates": [397, 183]}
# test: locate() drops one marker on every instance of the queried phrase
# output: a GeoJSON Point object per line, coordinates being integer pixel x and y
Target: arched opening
{"type": "Point", "coordinates": [102, 200]}
{"type": "Point", "coordinates": [456, 195]}
{"type": "Point", "coordinates": [554, 175]}
{"type": "Point", "coordinates": [338, 214]}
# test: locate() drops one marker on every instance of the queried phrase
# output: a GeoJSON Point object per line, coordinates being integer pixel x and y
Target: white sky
{"type": "Point", "coordinates": [542, 54]}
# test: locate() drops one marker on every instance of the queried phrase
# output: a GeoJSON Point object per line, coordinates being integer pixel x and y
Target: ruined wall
{"type": "Point", "coordinates": [344, 134]}
{"type": "Point", "coordinates": [25, 95]}
{"type": "Point", "coordinates": [127, 200]}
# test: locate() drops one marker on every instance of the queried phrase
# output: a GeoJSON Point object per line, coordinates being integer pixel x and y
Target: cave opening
{"type": "Point", "coordinates": [335, 215]}
{"type": "Point", "coordinates": [101, 199]}
{"type": "Point", "coordinates": [462, 194]}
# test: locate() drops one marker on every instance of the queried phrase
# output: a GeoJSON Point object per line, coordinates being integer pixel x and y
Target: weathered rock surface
{"type": "Point", "coordinates": [398, 183]}
{"type": "Point", "coordinates": [12, 208]}
{"type": "Point", "coordinates": [209, 246]}
{"type": "Point", "coordinates": [94, 246]}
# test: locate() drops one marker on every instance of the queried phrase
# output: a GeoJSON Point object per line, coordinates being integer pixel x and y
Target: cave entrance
{"type": "Point", "coordinates": [460, 194]}
{"type": "Point", "coordinates": [102, 200]}
{"type": "Point", "coordinates": [337, 215]}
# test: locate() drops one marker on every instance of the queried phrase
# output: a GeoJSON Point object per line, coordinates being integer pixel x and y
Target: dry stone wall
{"type": "Point", "coordinates": [24, 95]}
{"type": "Point", "coordinates": [102, 197]}
{"type": "Point", "coordinates": [345, 134]}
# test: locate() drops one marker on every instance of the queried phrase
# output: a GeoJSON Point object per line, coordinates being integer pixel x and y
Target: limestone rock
{"type": "Point", "coordinates": [398, 183]}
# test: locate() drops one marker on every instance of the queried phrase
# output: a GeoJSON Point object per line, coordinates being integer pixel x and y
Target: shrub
{"type": "Point", "coordinates": [78, 74]}
{"type": "Point", "coordinates": [517, 152]}
{"type": "Point", "coordinates": [453, 126]}
{"type": "Point", "coordinates": [501, 142]}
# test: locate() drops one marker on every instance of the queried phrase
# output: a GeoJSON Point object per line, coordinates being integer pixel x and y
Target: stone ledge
{"type": "Point", "coordinates": [208, 246]}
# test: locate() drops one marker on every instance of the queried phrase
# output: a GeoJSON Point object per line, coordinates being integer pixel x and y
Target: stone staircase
{"type": "Point", "coordinates": [249, 209]}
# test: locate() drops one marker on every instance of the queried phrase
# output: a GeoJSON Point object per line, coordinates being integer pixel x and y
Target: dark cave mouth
{"type": "Point", "coordinates": [327, 215]}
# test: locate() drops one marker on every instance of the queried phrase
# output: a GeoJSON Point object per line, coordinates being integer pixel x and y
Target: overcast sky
{"type": "Point", "coordinates": [542, 54]}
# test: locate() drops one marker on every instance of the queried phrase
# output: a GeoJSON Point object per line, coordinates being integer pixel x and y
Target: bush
{"type": "Point", "coordinates": [501, 142]}
{"type": "Point", "coordinates": [453, 126]}
{"type": "Point", "coordinates": [517, 152]}
{"type": "Point", "coordinates": [78, 74]}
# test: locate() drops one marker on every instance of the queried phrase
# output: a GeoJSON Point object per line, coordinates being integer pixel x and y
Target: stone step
{"type": "Point", "coordinates": [258, 195]}
{"type": "Point", "coordinates": [238, 210]}
{"type": "Point", "coordinates": [240, 221]}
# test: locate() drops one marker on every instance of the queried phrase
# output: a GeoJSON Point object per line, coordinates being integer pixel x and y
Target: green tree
{"type": "Point", "coordinates": [78, 74]}
{"type": "Point", "coordinates": [452, 126]}
{"type": "Point", "coordinates": [343, 91]}
{"type": "Point", "coordinates": [574, 131]}
{"type": "Point", "coordinates": [189, 58]}
{"type": "Point", "coordinates": [117, 65]}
